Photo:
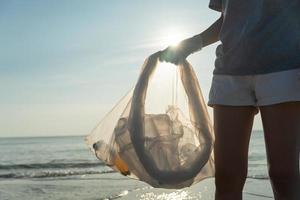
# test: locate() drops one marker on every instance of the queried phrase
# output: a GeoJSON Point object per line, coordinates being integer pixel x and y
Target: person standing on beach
{"type": "Point", "coordinates": [257, 69]}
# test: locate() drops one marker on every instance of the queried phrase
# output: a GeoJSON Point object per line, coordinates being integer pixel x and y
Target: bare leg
{"type": "Point", "coordinates": [281, 124]}
{"type": "Point", "coordinates": [232, 126]}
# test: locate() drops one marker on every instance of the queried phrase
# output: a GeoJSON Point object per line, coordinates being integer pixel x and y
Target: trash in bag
{"type": "Point", "coordinates": [160, 132]}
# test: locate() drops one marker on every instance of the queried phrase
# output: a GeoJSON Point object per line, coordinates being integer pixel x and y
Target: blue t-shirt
{"type": "Point", "coordinates": [258, 36]}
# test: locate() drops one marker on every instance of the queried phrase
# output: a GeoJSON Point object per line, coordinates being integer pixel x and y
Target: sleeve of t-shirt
{"type": "Point", "coordinates": [216, 5]}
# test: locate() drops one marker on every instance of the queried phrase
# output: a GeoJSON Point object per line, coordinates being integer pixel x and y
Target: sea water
{"type": "Point", "coordinates": [40, 157]}
{"type": "Point", "coordinates": [48, 166]}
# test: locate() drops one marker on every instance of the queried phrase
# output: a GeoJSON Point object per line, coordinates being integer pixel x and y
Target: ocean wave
{"type": "Point", "coordinates": [258, 177]}
{"type": "Point", "coordinates": [258, 195]}
{"type": "Point", "coordinates": [52, 165]}
{"type": "Point", "coordinates": [53, 174]}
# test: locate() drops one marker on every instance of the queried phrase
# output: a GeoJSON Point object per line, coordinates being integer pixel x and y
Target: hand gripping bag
{"type": "Point", "coordinates": [160, 132]}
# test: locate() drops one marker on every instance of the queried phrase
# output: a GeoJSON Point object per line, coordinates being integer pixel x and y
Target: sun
{"type": "Point", "coordinates": [172, 37]}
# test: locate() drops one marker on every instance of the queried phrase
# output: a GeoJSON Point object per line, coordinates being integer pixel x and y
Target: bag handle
{"type": "Point", "coordinates": [199, 115]}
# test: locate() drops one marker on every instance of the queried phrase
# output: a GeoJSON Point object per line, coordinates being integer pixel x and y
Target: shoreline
{"type": "Point", "coordinates": [115, 186]}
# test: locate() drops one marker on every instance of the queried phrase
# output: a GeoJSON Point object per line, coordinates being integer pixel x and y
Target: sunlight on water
{"type": "Point", "coordinates": [123, 193]}
{"type": "Point", "coordinates": [179, 194]}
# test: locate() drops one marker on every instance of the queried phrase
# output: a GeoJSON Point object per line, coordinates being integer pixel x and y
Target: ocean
{"type": "Point", "coordinates": [31, 160]}
{"type": "Point", "coordinates": [42, 157]}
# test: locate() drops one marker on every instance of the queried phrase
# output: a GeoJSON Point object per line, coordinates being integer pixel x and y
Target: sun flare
{"type": "Point", "coordinates": [172, 37]}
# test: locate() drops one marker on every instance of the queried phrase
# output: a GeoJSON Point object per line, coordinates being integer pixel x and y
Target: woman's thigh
{"type": "Point", "coordinates": [281, 124]}
{"type": "Point", "coordinates": [232, 126]}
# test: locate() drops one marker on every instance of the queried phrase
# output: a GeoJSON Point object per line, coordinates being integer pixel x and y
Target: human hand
{"type": "Point", "coordinates": [173, 55]}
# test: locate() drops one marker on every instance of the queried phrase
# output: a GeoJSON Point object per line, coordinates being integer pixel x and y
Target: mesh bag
{"type": "Point", "coordinates": [160, 132]}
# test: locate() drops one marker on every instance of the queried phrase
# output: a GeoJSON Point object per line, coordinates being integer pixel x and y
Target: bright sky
{"type": "Point", "coordinates": [64, 64]}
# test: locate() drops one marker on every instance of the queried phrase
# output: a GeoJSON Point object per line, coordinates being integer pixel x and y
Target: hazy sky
{"type": "Point", "coordinates": [64, 64]}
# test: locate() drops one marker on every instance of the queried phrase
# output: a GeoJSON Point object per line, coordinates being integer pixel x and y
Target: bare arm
{"type": "Point", "coordinates": [193, 44]}
{"type": "Point", "coordinates": [207, 37]}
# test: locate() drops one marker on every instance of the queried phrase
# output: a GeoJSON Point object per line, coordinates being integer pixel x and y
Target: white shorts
{"type": "Point", "coordinates": [255, 90]}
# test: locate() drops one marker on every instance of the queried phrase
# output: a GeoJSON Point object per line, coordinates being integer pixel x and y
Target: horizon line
{"type": "Point", "coordinates": [81, 135]}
